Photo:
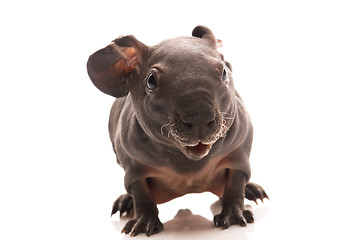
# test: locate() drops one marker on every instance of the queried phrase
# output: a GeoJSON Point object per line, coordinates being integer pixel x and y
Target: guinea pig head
{"type": "Point", "coordinates": [181, 89]}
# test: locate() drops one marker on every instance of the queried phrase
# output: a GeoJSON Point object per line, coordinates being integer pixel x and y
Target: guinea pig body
{"type": "Point", "coordinates": [177, 126]}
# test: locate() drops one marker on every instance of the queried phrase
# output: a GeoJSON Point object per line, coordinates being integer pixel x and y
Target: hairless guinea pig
{"type": "Point", "coordinates": [177, 126]}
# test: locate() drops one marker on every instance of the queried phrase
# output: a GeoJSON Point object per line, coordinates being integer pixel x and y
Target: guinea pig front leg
{"type": "Point", "coordinates": [233, 210]}
{"type": "Point", "coordinates": [146, 212]}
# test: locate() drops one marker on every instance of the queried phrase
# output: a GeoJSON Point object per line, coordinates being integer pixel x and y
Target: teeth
{"type": "Point", "coordinates": [195, 144]}
{"type": "Point", "coordinates": [189, 144]}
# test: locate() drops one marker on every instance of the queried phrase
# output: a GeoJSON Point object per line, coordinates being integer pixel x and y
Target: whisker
{"type": "Point", "coordinates": [224, 129]}
{"type": "Point", "coordinates": [171, 132]}
{"type": "Point", "coordinates": [224, 113]}
{"type": "Point", "coordinates": [165, 125]}
{"type": "Point", "coordinates": [228, 118]}
{"type": "Point", "coordinates": [169, 124]}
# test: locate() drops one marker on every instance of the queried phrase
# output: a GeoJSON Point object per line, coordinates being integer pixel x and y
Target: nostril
{"type": "Point", "coordinates": [211, 123]}
{"type": "Point", "coordinates": [187, 125]}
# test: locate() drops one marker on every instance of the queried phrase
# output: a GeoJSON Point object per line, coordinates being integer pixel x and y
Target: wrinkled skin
{"type": "Point", "coordinates": [177, 126]}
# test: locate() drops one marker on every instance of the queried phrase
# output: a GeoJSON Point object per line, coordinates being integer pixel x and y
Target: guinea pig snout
{"type": "Point", "coordinates": [202, 125]}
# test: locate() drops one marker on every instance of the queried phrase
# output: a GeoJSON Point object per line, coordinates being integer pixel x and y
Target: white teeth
{"type": "Point", "coordinates": [192, 145]}
{"type": "Point", "coordinates": [187, 144]}
{"type": "Point", "coordinates": [195, 144]}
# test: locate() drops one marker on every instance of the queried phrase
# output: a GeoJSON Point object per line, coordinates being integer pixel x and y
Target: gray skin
{"type": "Point", "coordinates": [177, 126]}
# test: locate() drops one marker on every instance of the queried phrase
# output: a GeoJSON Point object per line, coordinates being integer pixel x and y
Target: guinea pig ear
{"type": "Point", "coordinates": [207, 34]}
{"type": "Point", "coordinates": [112, 67]}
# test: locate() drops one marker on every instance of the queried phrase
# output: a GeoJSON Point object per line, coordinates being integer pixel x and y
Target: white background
{"type": "Point", "coordinates": [297, 65]}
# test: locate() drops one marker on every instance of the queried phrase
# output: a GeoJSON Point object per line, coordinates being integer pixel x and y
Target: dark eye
{"type": "Point", "coordinates": [151, 82]}
{"type": "Point", "coordinates": [225, 77]}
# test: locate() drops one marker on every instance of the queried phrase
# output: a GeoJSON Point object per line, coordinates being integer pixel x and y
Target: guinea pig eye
{"type": "Point", "coordinates": [225, 77]}
{"type": "Point", "coordinates": [151, 82]}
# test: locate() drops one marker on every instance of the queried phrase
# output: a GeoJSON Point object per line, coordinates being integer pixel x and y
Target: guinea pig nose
{"type": "Point", "coordinates": [187, 125]}
{"type": "Point", "coordinates": [211, 123]}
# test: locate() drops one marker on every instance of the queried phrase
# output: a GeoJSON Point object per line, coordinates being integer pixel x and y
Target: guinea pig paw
{"type": "Point", "coordinates": [255, 192]}
{"type": "Point", "coordinates": [228, 218]}
{"type": "Point", "coordinates": [144, 224]}
{"type": "Point", "coordinates": [123, 204]}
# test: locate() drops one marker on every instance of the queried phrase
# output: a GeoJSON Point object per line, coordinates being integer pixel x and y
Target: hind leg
{"type": "Point", "coordinates": [124, 204]}
{"type": "Point", "coordinates": [254, 191]}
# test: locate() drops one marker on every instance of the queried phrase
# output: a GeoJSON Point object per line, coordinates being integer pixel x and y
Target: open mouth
{"type": "Point", "coordinates": [198, 151]}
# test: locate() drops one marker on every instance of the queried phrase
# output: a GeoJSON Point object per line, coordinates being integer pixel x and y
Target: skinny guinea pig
{"type": "Point", "coordinates": [177, 126]}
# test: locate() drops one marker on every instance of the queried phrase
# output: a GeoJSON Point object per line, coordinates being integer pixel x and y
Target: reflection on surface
{"type": "Point", "coordinates": [186, 225]}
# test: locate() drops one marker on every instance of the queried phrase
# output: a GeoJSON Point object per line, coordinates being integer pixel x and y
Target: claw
{"type": "Point", "coordinates": [243, 224]}
{"type": "Point", "coordinates": [265, 195]}
{"type": "Point", "coordinates": [248, 215]}
{"type": "Point", "coordinates": [225, 224]}
{"type": "Point", "coordinates": [114, 210]}
{"type": "Point", "coordinates": [129, 226]}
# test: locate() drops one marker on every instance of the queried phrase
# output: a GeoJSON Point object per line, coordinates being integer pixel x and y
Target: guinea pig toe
{"type": "Point", "coordinates": [248, 215]}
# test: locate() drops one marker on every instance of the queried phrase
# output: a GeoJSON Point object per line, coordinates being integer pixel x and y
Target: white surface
{"type": "Point", "coordinates": [297, 65]}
